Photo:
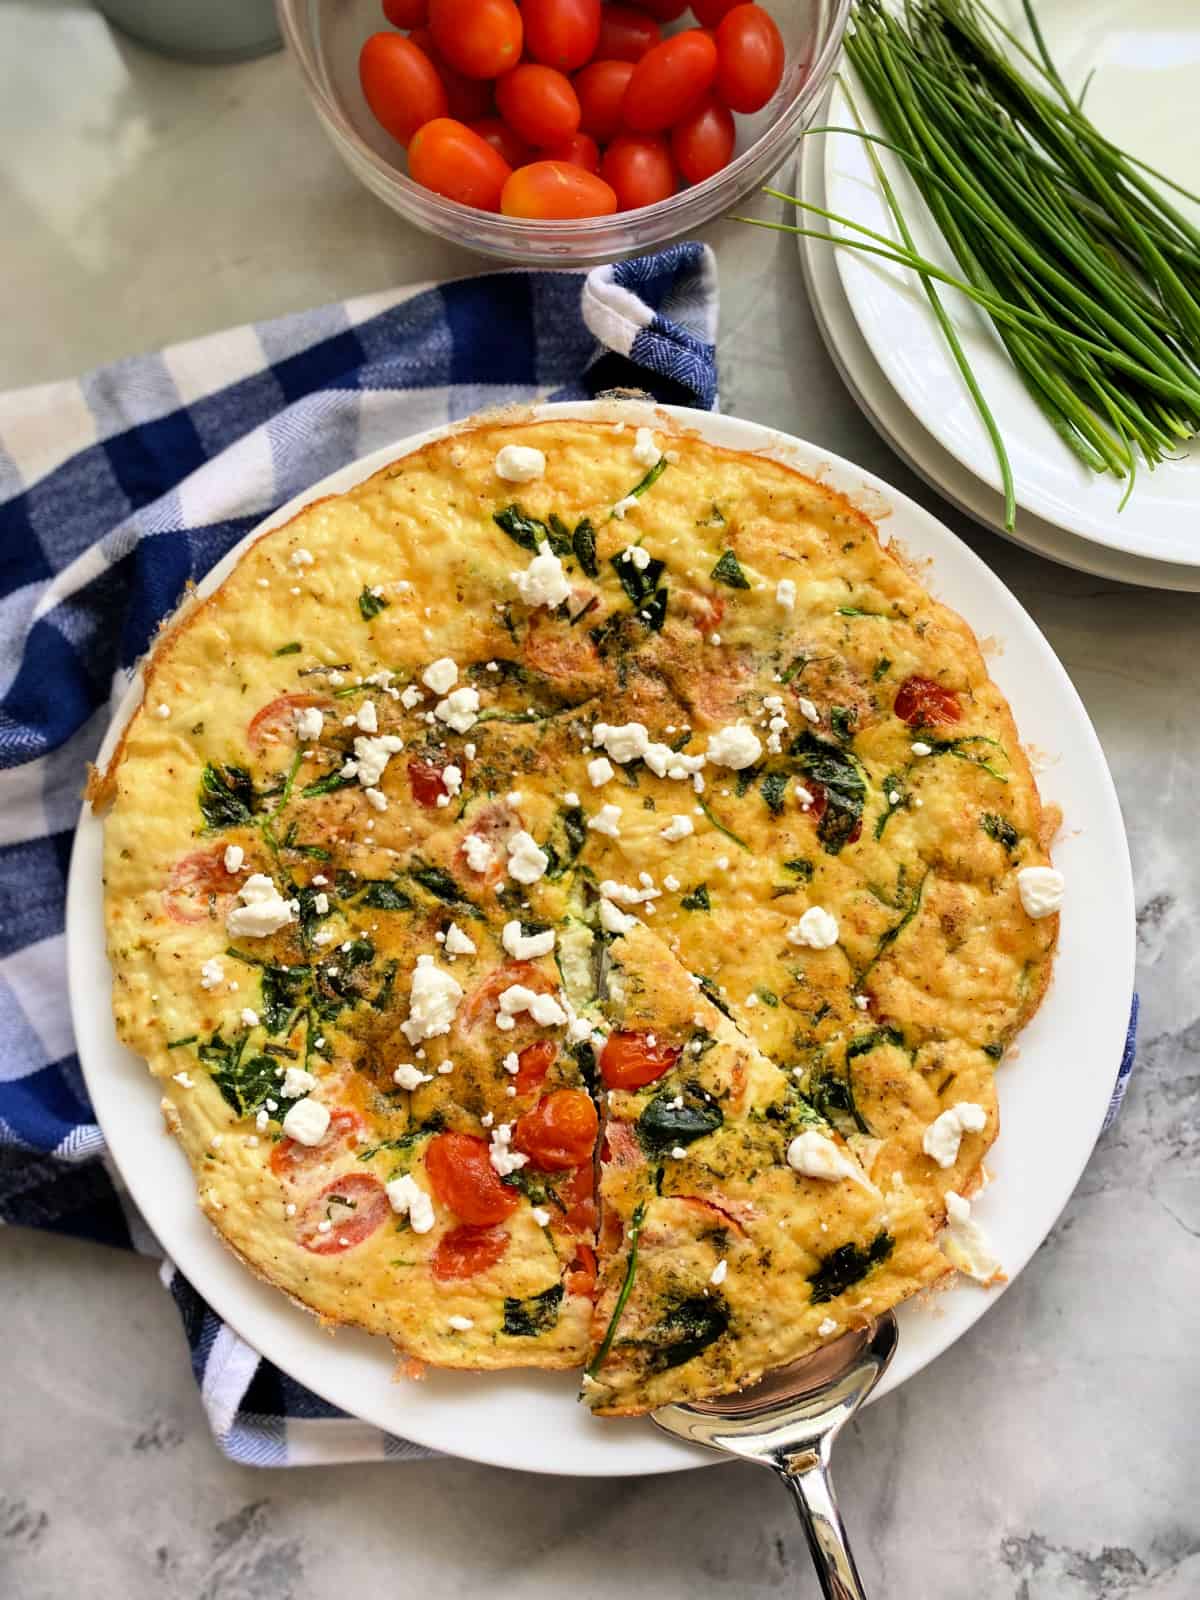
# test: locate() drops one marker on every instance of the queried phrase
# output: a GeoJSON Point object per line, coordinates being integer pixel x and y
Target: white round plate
{"type": "Point", "coordinates": [1146, 57]}
{"type": "Point", "coordinates": [898, 426]}
{"type": "Point", "coordinates": [1053, 1096]}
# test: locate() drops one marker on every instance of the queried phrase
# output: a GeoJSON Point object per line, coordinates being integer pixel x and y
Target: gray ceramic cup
{"type": "Point", "coordinates": [198, 30]}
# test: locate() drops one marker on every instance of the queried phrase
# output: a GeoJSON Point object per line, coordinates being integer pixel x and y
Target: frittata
{"type": "Point", "coordinates": [575, 890]}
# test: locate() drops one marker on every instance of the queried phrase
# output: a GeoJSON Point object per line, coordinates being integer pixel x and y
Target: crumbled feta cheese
{"type": "Point", "coordinates": [262, 1121]}
{"type": "Point", "coordinates": [526, 862]}
{"type": "Point", "coordinates": [599, 770]}
{"type": "Point", "coordinates": [183, 1079]}
{"type": "Point", "coordinates": [371, 756]}
{"type": "Point", "coordinates": [234, 856]}
{"type": "Point", "coordinates": [624, 507]}
{"type": "Point", "coordinates": [433, 1001]}
{"type": "Point", "coordinates": [368, 718]}
{"type": "Point", "coordinates": [625, 742]}
{"type": "Point", "coordinates": [736, 746]}
{"type": "Point", "coordinates": [440, 676]}
{"type": "Point", "coordinates": [500, 1152]}
{"type": "Point", "coordinates": [301, 557]}
{"type": "Point", "coordinates": [541, 1216]}
{"type": "Point", "coordinates": [543, 583]}
{"type": "Point", "coordinates": [645, 452]}
{"type": "Point", "coordinates": [512, 1063]}
{"type": "Point", "coordinates": [543, 1008]}
{"type": "Point", "coordinates": [249, 1018]}
{"type": "Point", "coordinates": [163, 711]}
{"type": "Point", "coordinates": [409, 1077]}
{"type": "Point", "coordinates": [920, 748]}
{"type": "Point", "coordinates": [809, 711]}
{"type": "Point", "coordinates": [457, 943]}
{"type": "Point", "coordinates": [407, 1198]}
{"type": "Point", "coordinates": [263, 911]}
{"type": "Point", "coordinates": [478, 852]}
{"type": "Point", "coordinates": [717, 1276]}
{"type": "Point", "coordinates": [614, 921]}
{"type": "Point", "coordinates": [525, 947]}
{"type": "Point", "coordinates": [944, 1135]}
{"type": "Point", "coordinates": [607, 821]}
{"type": "Point", "coordinates": [671, 883]}
{"type": "Point", "coordinates": [785, 593]}
{"type": "Point", "coordinates": [296, 1081]}
{"type": "Point", "coordinates": [678, 1153]}
{"type": "Point", "coordinates": [964, 1242]}
{"type": "Point", "coordinates": [826, 1327]}
{"type": "Point", "coordinates": [411, 697]}
{"type": "Point", "coordinates": [893, 797]}
{"type": "Point", "coordinates": [814, 1156]}
{"type": "Point", "coordinates": [519, 463]}
{"type": "Point", "coordinates": [377, 799]}
{"type": "Point", "coordinates": [459, 710]}
{"type": "Point", "coordinates": [211, 973]}
{"type": "Point", "coordinates": [310, 720]}
{"type": "Point", "coordinates": [306, 1121]}
{"type": "Point", "coordinates": [678, 828]}
{"type": "Point", "coordinates": [1041, 890]}
{"type": "Point", "coordinates": [452, 779]}
{"type": "Point", "coordinates": [638, 557]}
{"type": "Point", "coordinates": [459, 1324]}
{"type": "Point", "coordinates": [817, 928]}
{"type": "Point", "coordinates": [321, 903]}
{"type": "Point", "coordinates": [626, 895]}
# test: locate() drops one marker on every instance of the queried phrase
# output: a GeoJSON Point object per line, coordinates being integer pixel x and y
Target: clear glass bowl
{"type": "Point", "coordinates": [325, 37]}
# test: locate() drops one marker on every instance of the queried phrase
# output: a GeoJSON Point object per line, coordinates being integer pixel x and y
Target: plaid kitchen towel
{"type": "Point", "coordinates": [115, 491]}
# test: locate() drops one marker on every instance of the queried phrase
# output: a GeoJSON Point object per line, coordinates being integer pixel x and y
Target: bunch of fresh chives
{"type": "Point", "coordinates": [1090, 275]}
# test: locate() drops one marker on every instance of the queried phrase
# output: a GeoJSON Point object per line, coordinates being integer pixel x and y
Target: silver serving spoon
{"type": "Point", "coordinates": [788, 1422]}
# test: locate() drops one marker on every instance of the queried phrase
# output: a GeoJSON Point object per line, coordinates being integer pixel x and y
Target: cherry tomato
{"type": "Point", "coordinates": [703, 142]}
{"type": "Point", "coordinates": [356, 1204]}
{"type": "Point", "coordinates": [820, 804]}
{"type": "Point", "coordinates": [277, 719]}
{"type": "Point", "coordinates": [538, 103]}
{"type": "Point", "coordinates": [556, 189]}
{"type": "Point", "coordinates": [425, 781]}
{"type": "Point", "coordinates": [625, 34]}
{"type": "Point", "coordinates": [669, 81]}
{"type": "Point", "coordinates": [469, 98]}
{"type": "Point", "coordinates": [484, 1001]}
{"type": "Point", "coordinates": [601, 89]}
{"type": "Point", "coordinates": [448, 158]}
{"type": "Point", "coordinates": [638, 165]}
{"type": "Point", "coordinates": [481, 38]}
{"type": "Point", "coordinates": [749, 58]}
{"type": "Point", "coordinates": [461, 1175]}
{"type": "Point", "coordinates": [578, 1194]}
{"type": "Point", "coordinates": [560, 1131]}
{"type": "Point", "coordinates": [406, 13]}
{"type": "Point", "coordinates": [922, 703]}
{"type": "Point", "coordinates": [580, 150]}
{"type": "Point", "coordinates": [629, 1060]}
{"type": "Point", "coordinates": [664, 10]}
{"type": "Point", "coordinates": [198, 886]}
{"type": "Point", "coordinates": [533, 1063]}
{"type": "Point", "coordinates": [561, 33]}
{"type": "Point", "coordinates": [708, 13]}
{"type": "Point", "coordinates": [581, 1273]}
{"type": "Point", "coordinates": [468, 1251]}
{"type": "Point", "coordinates": [401, 85]}
{"type": "Point", "coordinates": [290, 1159]}
{"type": "Point", "coordinates": [502, 138]}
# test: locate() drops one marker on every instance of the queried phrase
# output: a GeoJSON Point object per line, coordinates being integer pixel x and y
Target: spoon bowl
{"type": "Point", "coordinates": [788, 1422]}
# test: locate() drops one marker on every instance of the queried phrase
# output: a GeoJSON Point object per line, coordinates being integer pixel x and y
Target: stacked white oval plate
{"type": "Point", "coordinates": [1144, 57]}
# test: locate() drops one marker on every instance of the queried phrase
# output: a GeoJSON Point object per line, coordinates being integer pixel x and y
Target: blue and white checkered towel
{"type": "Point", "coordinates": [117, 489]}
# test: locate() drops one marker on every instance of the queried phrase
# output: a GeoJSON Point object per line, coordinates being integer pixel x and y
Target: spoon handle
{"type": "Point", "coordinates": [816, 1504]}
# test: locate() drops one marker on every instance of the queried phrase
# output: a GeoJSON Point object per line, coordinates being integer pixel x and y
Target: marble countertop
{"type": "Point", "coordinates": [1051, 1455]}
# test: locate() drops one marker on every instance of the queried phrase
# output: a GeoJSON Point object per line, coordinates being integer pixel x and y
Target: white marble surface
{"type": "Point", "coordinates": [1052, 1455]}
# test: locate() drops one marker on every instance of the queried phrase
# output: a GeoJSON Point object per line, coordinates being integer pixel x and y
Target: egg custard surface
{"type": "Point", "coordinates": [574, 891]}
